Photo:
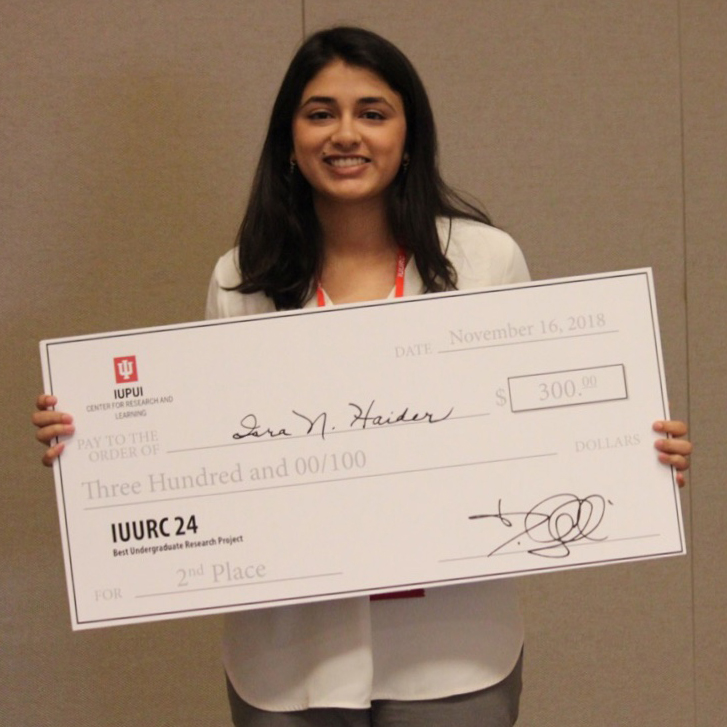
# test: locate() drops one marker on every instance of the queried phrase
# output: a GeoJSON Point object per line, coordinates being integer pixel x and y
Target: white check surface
{"type": "Point", "coordinates": [263, 461]}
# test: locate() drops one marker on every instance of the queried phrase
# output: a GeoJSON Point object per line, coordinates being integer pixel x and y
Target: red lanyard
{"type": "Point", "coordinates": [398, 286]}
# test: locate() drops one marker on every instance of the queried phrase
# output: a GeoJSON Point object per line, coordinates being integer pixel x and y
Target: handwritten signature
{"type": "Point", "coordinates": [359, 417]}
{"type": "Point", "coordinates": [554, 523]}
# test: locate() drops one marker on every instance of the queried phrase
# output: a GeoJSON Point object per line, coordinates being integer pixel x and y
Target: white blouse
{"type": "Point", "coordinates": [345, 653]}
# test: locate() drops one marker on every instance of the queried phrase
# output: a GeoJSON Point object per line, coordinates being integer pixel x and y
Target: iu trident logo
{"type": "Point", "coordinates": [125, 369]}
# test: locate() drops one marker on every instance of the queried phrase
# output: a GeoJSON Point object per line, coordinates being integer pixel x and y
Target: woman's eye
{"type": "Point", "coordinates": [317, 115]}
{"type": "Point", "coordinates": [375, 115]}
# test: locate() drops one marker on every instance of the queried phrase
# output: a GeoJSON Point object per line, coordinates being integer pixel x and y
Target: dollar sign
{"type": "Point", "coordinates": [500, 397]}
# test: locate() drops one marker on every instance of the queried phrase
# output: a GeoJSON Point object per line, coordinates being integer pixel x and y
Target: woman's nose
{"type": "Point", "coordinates": [346, 134]}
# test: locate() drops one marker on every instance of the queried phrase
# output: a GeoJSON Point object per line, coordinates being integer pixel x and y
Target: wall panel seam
{"type": "Point", "coordinates": [685, 269]}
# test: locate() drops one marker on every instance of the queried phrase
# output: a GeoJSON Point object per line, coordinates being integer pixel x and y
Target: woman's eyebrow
{"type": "Point", "coordinates": [373, 99]}
{"type": "Point", "coordinates": [319, 99]}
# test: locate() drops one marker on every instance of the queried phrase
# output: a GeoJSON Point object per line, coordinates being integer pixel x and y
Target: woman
{"type": "Point", "coordinates": [348, 205]}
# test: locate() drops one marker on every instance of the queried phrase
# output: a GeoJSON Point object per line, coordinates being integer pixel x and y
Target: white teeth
{"type": "Point", "coordinates": [346, 161]}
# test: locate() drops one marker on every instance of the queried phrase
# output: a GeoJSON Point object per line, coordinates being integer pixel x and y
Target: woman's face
{"type": "Point", "coordinates": [349, 133]}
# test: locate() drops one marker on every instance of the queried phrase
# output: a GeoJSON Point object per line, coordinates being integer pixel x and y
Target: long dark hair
{"type": "Point", "coordinates": [279, 242]}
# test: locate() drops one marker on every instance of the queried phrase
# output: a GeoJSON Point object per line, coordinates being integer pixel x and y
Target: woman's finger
{"type": "Point", "coordinates": [51, 454]}
{"type": "Point", "coordinates": [671, 427]}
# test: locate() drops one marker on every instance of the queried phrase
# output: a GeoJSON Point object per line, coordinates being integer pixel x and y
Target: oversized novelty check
{"type": "Point", "coordinates": [272, 460]}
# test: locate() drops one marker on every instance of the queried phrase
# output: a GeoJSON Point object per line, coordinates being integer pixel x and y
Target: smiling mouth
{"type": "Point", "coordinates": [346, 161]}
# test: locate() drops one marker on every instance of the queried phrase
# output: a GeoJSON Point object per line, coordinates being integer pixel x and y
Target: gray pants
{"type": "Point", "coordinates": [496, 706]}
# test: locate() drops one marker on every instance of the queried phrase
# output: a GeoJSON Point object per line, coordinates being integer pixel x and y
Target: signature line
{"type": "Point", "coordinates": [237, 585]}
{"type": "Point", "coordinates": [572, 545]}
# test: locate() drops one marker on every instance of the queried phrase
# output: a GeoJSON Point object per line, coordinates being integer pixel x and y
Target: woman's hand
{"type": "Point", "coordinates": [51, 424]}
{"type": "Point", "coordinates": [673, 450]}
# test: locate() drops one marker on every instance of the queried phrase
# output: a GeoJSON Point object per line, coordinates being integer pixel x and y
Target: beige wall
{"type": "Point", "coordinates": [595, 131]}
